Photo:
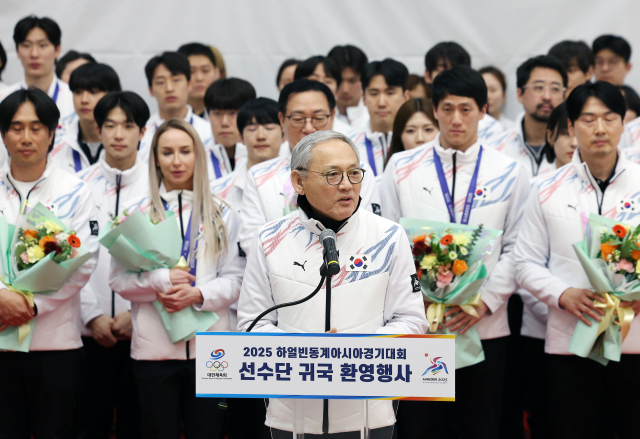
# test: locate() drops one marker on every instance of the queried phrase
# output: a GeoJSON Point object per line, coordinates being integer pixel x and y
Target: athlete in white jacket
{"type": "Point", "coordinates": [28, 119]}
{"type": "Point", "coordinates": [119, 184]}
{"type": "Point", "coordinates": [381, 299]}
{"type": "Point", "coordinates": [268, 193]}
{"type": "Point", "coordinates": [599, 180]}
{"type": "Point", "coordinates": [167, 386]}
{"type": "Point", "coordinates": [488, 188]}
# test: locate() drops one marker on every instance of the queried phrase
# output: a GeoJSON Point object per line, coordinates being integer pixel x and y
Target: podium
{"type": "Point", "coordinates": [304, 367]}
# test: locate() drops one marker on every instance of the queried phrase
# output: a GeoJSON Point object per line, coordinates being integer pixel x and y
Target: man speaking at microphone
{"type": "Point", "coordinates": [375, 290]}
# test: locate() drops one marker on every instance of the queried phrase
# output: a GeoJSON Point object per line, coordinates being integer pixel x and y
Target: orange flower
{"type": "Point", "coordinates": [30, 234]}
{"type": "Point", "coordinates": [446, 240]}
{"type": "Point", "coordinates": [607, 249]}
{"type": "Point", "coordinates": [620, 231]}
{"type": "Point", "coordinates": [420, 238]}
{"type": "Point", "coordinates": [459, 267]}
{"type": "Point", "coordinates": [74, 241]}
{"type": "Point", "coordinates": [419, 273]}
{"type": "Point", "coordinates": [635, 254]}
{"type": "Point", "coordinates": [44, 240]}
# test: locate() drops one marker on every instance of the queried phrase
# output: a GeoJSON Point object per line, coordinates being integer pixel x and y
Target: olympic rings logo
{"type": "Point", "coordinates": [217, 366]}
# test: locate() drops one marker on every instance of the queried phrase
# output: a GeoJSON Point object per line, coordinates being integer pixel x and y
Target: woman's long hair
{"type": "Point", "coordinates": [206, 209]}
{"type": "Point", "coordinates": [408, 109]}
{"type": "Point", "coordinates": [557, 125]}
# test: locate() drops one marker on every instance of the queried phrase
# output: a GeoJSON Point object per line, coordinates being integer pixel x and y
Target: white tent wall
{"type": "Point", "coordinates": [256, 36]}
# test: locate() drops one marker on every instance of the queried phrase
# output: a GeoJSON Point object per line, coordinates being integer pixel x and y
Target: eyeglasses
{"type": "Point", "coordinates": [539, 88]}
{"type": "Point", "coordinates": [318, 121]}
{"type": "Point", "coordinates": [614, 61]}
{"type": "Point", "coordinates": [334, 178]}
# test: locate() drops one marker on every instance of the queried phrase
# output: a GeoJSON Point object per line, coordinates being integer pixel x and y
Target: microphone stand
{"type": "Point", "coordinates": [325, 272]}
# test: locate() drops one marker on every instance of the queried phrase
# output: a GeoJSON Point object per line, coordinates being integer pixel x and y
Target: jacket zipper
{"type": "Point", "coordinates": [182, 233]}
{"type": "Point", "coordinates": [113, 294]}
{"type": "Point", "coordinates": [23, 208]}
{"type": "Point", "coordinates": [453, 184]}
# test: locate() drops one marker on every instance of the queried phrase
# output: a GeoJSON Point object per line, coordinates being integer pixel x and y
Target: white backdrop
{"type": "Point", "coordinates": [255, 36]}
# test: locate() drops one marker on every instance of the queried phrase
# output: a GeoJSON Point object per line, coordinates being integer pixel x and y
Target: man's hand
{"type": "Point", "coordinates": [579, 301]}
{"type": "Point", "coordinates": [179, 297]}
{"type": "Point", "coordinates": [179, 276]}
{"type": "Point", "coordinates": [462, 319]}
{"type": "Point", "coordinates": [14, 309]}
{"type": "Point", "coordinates": [121, 327]}
{"type": "Point", "coordinates": [633, 304]}
{"type": "Point", "coordinates": [101, 330]}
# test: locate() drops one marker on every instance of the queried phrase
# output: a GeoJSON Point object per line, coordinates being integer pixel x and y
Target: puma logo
{"type": "Point", "coordinates": [300, 265]}
{"type": "Point", "coordinates": [428, 190]}
{"type": "Point", "coordinates": [573, 207]}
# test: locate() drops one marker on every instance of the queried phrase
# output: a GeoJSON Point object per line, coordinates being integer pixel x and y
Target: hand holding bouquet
{"type": "Point", "coordinates": [610, 256]}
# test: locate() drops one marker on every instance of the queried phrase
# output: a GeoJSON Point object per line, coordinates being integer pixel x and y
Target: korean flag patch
{"type": "Point", "coordinates": [357, 262]}
{"type": "Point", "coordinates": [627, 205]}
{"type": "Point", "coordinates": [482, 192]}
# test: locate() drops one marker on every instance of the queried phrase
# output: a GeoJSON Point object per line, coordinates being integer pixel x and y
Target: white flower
{"type": "Point", "coordinates": [453, 255]}
{"type": "Point", "coordinates": [62, 237]}
{"type": "Point", "coordinates": [464, 251]}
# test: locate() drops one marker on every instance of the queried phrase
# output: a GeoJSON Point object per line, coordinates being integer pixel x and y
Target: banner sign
{"type": "Point", "coordinates": [325, 366]}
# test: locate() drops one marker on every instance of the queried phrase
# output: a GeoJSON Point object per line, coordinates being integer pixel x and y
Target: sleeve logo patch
{"type": "Point", "coordinates": [375, 208]}
{"type": "Point", "coordinates": [415, 283]}
{"type": "Point", "coordinates": [241, 252]}
{"type": "Point", "coordinates": [95, 229]}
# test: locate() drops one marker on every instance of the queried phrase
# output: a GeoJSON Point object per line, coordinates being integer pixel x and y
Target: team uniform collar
{"type": "Point", "coordinates": [446, 155]}
{"type": "Point", "coordinates": [316, 227]}
{"type": "Point", "coordinates": [582, 169]}
{"type": "Point", "coordinates": [126, 177]}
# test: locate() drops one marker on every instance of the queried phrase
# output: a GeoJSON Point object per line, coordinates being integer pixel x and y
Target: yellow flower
{"type": "Point", "coordinates": [52, 227]}
{"type": "Point", "coordinates": [428, 262]}
{"type": "Point", "coordinates": [461, 239]}
{"type": "Point", "coordinates": [35, 253]}
{"type": "Point", "coordinates": [638, 267]}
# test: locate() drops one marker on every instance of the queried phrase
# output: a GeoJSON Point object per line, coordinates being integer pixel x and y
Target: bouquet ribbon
{"type": "Point", "coordinates": [435, 311]}
{"type": "Point", "coordinates": [624, 315]}
{"type": "Point", "coordinates": [182, 264]}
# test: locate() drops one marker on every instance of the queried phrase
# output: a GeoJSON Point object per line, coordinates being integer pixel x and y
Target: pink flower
{"type": "Point", "coordinates": [74, 253]}
{"type": "Point", "coordinates": [626, 266]}
{"type": "Point", "coordinates": [444, 278]}
{"type": "Point", "coordinates": [24, 257]}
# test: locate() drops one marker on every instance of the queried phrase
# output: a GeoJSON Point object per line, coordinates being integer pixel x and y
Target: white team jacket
{"type": "Point", "coordinates": [410, 188]}
{"type": "Point", "coordinates": [379, 300]}
{"type": "Point", "coordinates": [130, 190]}
{"type": "Point", "coordinates": [217, 159]}
{"type": "Point", "coordinates": [357, 117]}
{"type": "Point", "coordinates": [57, 325]}
{"type": "Point", "coordinates": [511, 143]}
{"type": "Point", "coordinates": [218, 280]}
{"type": "Point", "coordinates": [66, 145]}
{"type": "Point", "coordinates": [488, 127]}
{"type": "Point", "coordinates": [546, 263]}
{"type": "Point", "coordinates": [264, 200]}
{"type": "Point", "coordinates": [376, 154]}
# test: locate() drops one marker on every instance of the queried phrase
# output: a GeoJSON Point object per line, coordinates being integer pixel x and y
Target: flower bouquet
{"type": "Point", "coordinates": [610, 255]}
{"type": "Point", "coordinates": [42, 256]}
{"type": "Point", "coordinates": [449, 260]}
{"type": "Point", "coordinates": [140, 245]}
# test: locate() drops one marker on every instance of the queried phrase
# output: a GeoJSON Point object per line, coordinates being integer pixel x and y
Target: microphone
{"type": "Point", "coordinates": [328, 240]}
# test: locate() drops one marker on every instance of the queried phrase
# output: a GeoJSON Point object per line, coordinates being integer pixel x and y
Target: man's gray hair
{"type": "Point", "coordinates": [301, 154]}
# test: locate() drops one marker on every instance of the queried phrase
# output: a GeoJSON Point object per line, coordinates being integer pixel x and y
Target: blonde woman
{"type": "Point", "coordinates": [165, 371]}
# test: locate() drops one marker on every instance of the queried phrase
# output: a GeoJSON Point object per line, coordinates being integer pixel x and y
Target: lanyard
{"type": "Point", "coordinates": [372, 160]}
{"type": "Point", "coordinates": [191, 121]}
{"type": "Point", "coordinates": [186, 243]}
{"type": "Point", "coordinates": [55, 93]}
{"type": "Point", "coordinates": [447, 195]}
{"type": "Point", "coordinates": [216, 164]}
{"type": "Point", "coordinates": [77, 163]}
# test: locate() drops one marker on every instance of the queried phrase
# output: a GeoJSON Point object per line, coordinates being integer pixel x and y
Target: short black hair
{"type": "Point", "coordinates": [573, 52]}
{"type": "Point", "coordinates": [544, 61]}
{"type": "Point", "coordinates": [631, 98]}
{"type": "Point", "coordinates": [263, 110]}
{"type": "Point", "coordinates": [287, 63]}
{"type": "Point", "coordinates": [308, 66]}
{"type": "Point", "coordinates": [48, 26]}
{"type": "Point", "coordinates": [459, 81]}
{"type": "Point", "coordinates": [558, 125]}
{"type": "Point", "coordinates": [198, 49]}
{"type": "Point", "coordinates": [614, 43]}
{"type": "Point", "coordinates": [176, 63]}
{"type": "Point", "coordinates": [609, 94]}
{"type": "Point", "coordinates": [3, 60]}
{"type": "Point", "coordinates": [94, 76]}
{"type": "Point", "coordinates": [228, 94]}
{"type": "Point", "coordinates": [394, 72]}
{"type": "Point", "coordinates": [71, 55]}
{"type": "Point", "coordinates": [46, 109]}
{"type": "Point", "coordinates": [131, 103]}
{"type": "Point", "coordinates": [301, 86]}
{"type": "Point", "coordinates": [349, 56]}
{"type": "Point", "coordinates": [448, 51]}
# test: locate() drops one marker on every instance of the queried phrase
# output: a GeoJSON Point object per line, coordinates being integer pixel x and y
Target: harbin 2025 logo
{"type": "Point", "coordinates": [437, 367]}
{"type": "Point", "coordinates": [216, 366]}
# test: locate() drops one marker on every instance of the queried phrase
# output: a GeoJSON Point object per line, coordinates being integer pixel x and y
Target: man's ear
{"type": "Point", "coordinates": [281, 119]}
{"type": "Point", "coordinates": [141, 135]}
{"type": "Point", "coordinates": [296, 182]}
{"type": "Point", "coordinates": [519, 94]}
{"type": "Point", "coordinates": [571, 128]}
{"type": "Point", "coordinates": [151, 92]}
{"type": "Point", "coordinates": [407, 95]}
{"type": "Point", "coordinates": [427, 77]}
{"type": "Point", "coordinates": [629, 65]}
